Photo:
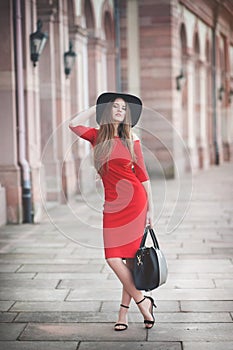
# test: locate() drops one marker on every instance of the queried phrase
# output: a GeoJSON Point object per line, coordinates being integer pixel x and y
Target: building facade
{"type": "Point", "coordinates": [184, 70]}
{"type": "Point", "coordinates": [177, 55]}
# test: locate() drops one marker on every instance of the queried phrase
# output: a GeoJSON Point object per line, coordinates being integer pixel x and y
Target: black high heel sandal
{"type": "Point", "coordinates": [124, 325]}
{"type": "Point", "coordinates": [148, 322]}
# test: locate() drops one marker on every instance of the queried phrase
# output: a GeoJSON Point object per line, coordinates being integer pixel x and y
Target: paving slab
{"type": "Point", "coordinates": [65, 317]}
{"type": "Point", "coordinates": [21, 306]}
{"type": "Point", "coordinates": [41, 250]}
{"type": "Point", "coordinates": [9, 267]}
{"type": "Point", "coordinates": [175, 283]}
{"type": "Point", "coordinates": [203, 256]}
{"type": "Point", "coordinates": [31, 345]}
{"type": "Point", "coordinates": [130, 345]}
{"type": "Point", "coordinates": [78, 284]}
{"type": "Point", "coordinates": [98, 293]}
{"type": "Point", "coordinates": [71, 275]}
{"type": "Point", "coordinates": [5, 305]}
{"type": "Point", "coordinates": [7, 316]}
{"type": "Point", "coordinates": [32, 294]}
{"type": "Point", "coordinates": [60, 268]}
{"type": "Point", "coordinates": [29, 284]}
{"type": "Point", "coordinates": [224, 345]}
{"type": "Point", "coordinates": [38, 261]}
{"type": "Point", "coordinates": [162, 306]}
{"type": "Point", "coordinates": [16, 276]}
{"type": "Point", "coordinates": [89, 332]}
{"type": "Point", "coordinates": [207, 306]}
{"type": "Point", "coordinates": [193, 317]}
{"type": "Point", "coordinates": [192, 332]}
{"type": "Point", "coordinates": [111, 316]}
{"type": "Point", "coordinates": [200, 266]}
{"type": "Point", "coordinates": [11, 331]}
{"type": "Point", "coordinates": [218, 276]}
{"type": "Point", "coordinates": [193, 294]}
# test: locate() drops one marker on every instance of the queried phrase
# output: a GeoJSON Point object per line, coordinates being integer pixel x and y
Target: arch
{"type": "Point", "coordinates": [183, 39]}
{"type": "Point", "coordinates": [208, 51]}
{"type": "Point", "coordinates": [107, 21]}
{"type": "Point", "coordinates": [108, 28]}
{"type": "Point", "coordinates": [196, 44]}
{"type": "Point", "coordinates": [108, 33]}
{"type": "Point", "coordinates": [89, 14]}
{"type": "Point", "coordinates": [71, 12]}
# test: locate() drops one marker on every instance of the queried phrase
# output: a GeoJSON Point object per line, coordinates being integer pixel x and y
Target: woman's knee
{"type": "Point", "coordinates": [112, 262]}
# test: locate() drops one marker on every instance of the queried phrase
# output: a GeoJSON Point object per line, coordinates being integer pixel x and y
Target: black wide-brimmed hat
{"type": "Point", "coordinates": [134, 102]}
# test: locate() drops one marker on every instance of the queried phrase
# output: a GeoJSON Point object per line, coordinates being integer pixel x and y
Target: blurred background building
{"type": "Point", "coordinates": [177, 55]}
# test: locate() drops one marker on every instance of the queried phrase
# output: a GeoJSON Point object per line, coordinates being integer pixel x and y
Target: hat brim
{"type": "Point", "coordinates": [134, 102]}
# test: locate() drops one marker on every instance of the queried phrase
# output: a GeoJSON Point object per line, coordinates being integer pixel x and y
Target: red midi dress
{"type": "Point", "coordinates": [125, 204]}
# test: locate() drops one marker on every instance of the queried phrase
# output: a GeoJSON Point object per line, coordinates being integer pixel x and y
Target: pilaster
{"type": "Point", "coordinates": [48, 108]}
{"type": "Point", "coordinates": [202, 147]}
{"type": "Point", "coordinates": [9, 169]}
{"type": "Point", "coordinates": [191, 140]}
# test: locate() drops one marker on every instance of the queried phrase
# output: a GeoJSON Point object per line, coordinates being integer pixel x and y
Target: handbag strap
{"type": "Point", "coordinates": [154, 239]}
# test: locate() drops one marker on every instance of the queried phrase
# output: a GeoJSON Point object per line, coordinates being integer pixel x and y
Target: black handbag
{"type": "Point", "coordinates": [150, 266]}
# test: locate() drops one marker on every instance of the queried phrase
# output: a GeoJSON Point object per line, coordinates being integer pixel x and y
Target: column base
{"type": "Point", "coordinates": [203, 156]}
{"type": "Point", "coordinates": [194, 159]}
{"type": "Point", "coordinates": [68, 181]}
{"type": "Point", "coordinates": [3, 218]}
{"type": "Point", "coordinates": [10, 180]}
{"type": "Point", "coordinates": [226, 151]}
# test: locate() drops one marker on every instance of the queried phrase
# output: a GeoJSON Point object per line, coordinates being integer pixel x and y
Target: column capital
{"type": "Point", "coordinates": [94, 41]}
{"type": "Point", "coordinates": [78, 29]}
{"type": "Point", "coordinates": [47, 13]}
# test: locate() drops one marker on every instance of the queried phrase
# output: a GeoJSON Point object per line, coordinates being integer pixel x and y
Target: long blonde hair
{"type": "Point", "coordinates": [104, 142]}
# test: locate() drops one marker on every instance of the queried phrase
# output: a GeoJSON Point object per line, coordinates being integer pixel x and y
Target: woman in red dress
{"type": "Point", "coordinates": [128, 202]}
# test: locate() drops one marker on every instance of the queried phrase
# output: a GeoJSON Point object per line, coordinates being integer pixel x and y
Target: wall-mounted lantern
{"type": "Point", "coordinates": [69, 58]}
{"type": "Point", "coordinates": [37, 42]}
{"type": "Point", "coordinates": [221, 91]}
{"type": "Point", "coordinates": [180, 79]}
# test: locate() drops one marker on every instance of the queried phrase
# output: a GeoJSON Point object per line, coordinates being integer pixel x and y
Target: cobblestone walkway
{"type": "Point", "coordinates": [57, 293]}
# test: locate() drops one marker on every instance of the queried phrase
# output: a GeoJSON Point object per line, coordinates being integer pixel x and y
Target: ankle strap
{"type": "Point", "coordinates": [139, 302]}
{"type": "Point", "coordinates": [125, 306]}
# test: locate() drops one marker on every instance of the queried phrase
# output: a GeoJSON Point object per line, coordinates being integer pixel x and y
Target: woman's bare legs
{"type": "Point", "coordinates": [124, 274]}
{"type": "Point", "coordinates": [125, 300]}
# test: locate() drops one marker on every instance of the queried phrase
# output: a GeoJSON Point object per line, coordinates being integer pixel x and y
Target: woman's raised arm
{"type": "Point", "coordinates": [82, 117]}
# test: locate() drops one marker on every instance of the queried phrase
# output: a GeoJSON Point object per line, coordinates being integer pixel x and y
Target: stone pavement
{"type": "Point", "coordinates": [57, 292]}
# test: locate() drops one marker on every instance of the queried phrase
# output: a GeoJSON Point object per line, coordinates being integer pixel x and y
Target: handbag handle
{"type": "Point", "coordinates": [154, 239]}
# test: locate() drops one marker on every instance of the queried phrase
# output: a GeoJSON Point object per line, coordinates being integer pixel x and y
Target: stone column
{"type": "Point", "coordinates": [203, 148]}
{"type": "Point", "coordinates": [48, 108]}
{"type": "Point", "coordinates": [92, 77]}
{"type": "Point", "coordinates": [80, 101]}
{"type": "Point", "coordinates": [220, 111]}
{"type": "Point", "coordinates": [228, 112]}
{"type": "Point", "coordinates": [111, 68]}
{"type": "Point", "coordinates": [101, 69]}
{"type": "Point", "coordinates": [32, 111]}
{"type": "Point", "coordinates": [9, 170]}
{"type": "Point", "coordinates": [190, 115]}
{"type": "Point", "coordinates": [133, 47]}
{"type": "Point", "coordinates": [66, 171]}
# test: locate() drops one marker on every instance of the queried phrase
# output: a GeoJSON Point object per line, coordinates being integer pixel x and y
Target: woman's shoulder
{"type": "Point", "coordinates": [85, 132]}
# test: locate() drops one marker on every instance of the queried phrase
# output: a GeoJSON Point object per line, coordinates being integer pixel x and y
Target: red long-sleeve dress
{"type": "Point", "coordinates": [125, 205]}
